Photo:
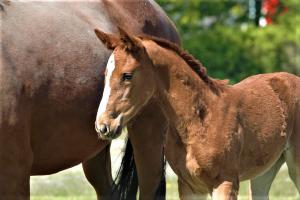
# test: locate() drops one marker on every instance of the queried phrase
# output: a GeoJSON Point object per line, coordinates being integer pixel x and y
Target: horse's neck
{"type": "Point", "coordinates": [185, 99]}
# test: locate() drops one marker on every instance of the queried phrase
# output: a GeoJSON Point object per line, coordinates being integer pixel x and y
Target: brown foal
{"type": "Point", "coordinates": [218, 134]}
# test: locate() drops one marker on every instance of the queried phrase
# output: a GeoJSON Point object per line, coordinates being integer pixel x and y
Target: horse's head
{"type": "Point", "coordinates": [129, 83]}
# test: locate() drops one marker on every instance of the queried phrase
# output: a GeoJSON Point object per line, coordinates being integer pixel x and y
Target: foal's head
{"type": "Point", "coordinates": [129, 83]}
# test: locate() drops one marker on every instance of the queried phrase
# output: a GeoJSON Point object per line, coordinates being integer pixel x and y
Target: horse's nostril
{"type": "Point", "coordinates": [103, 128]}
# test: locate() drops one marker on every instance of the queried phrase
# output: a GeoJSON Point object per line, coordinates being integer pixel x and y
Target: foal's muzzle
{"type": "Point", "coordinates": [108, 132]}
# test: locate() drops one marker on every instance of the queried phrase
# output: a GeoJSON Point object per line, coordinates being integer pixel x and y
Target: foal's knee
{"type": "Point", "coordinates": [226, 189]}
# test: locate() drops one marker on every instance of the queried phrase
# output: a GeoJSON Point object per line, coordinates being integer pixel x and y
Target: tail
{"type": "Point", "coordinates": [161, 190]}
{"type": "Point", "coordinates": [125, 185]}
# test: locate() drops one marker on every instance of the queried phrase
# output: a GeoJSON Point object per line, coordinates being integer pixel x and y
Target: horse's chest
{"type": "Point", "coordinates": [194, 161]}
{"type": "Point", "coordinates": [197, 173]}
{"type": "Point", "coordinates": [184, 164]}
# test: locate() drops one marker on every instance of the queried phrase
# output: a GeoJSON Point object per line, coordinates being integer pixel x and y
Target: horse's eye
{"type": "Point", "coordinates": [126, 76]}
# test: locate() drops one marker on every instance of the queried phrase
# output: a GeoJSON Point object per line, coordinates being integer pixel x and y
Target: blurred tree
{"type": "Point", "coordinates": [202, 13]}
{"type": "Point", "coordinates": [225, 37]}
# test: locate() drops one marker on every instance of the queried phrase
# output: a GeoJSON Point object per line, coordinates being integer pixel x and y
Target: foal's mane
{"type": "Point", "coordinates": [196, 65]}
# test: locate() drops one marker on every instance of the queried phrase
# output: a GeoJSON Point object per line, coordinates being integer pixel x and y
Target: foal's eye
{"type": "Point", "coordinates": [126, 76]}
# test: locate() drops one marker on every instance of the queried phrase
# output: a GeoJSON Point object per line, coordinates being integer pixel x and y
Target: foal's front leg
{"type": "Point", "coordinates": [227, 190]}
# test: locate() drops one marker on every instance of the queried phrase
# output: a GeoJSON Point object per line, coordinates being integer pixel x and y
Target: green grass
{"type": "Point", "coordinates": [63, 197]}
{"type": "Point", "coordinates": [72, 185]}
{"type": "Point", "coordinates": [64, 185]}
{"type": "Point", "coordinates": [282, 188]}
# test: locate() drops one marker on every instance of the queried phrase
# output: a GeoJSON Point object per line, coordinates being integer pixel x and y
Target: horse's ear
{"type": "Point", "coordinates": [131, 42]}
{"type": "Point", "coordinates": [109, 40]}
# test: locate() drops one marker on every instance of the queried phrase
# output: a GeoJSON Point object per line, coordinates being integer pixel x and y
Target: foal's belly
{"type": "Point", "coordinates": [259, 156]}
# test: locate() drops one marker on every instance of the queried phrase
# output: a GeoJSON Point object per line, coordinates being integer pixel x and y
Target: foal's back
{"type": "Point", "coordinates": [269, 114]}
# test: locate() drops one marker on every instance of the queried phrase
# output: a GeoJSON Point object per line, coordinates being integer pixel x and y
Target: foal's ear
{"type": "Point", "coordinates": [109, 40]}
{"type": "Point", "coordinates": [131, 42]}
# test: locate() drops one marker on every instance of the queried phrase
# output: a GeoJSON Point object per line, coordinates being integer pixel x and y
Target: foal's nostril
{"type": "Point", "coordinates": [113, 115]}
{"type": "Point", "coordinates": [103, 128]}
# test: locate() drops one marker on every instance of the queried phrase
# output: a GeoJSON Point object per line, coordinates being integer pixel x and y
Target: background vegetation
{"type": "Point", "coordinates": [224, 36]}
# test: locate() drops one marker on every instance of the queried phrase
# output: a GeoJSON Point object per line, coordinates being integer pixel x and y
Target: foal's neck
{"type": "Point", "coordinates": [185, 98]}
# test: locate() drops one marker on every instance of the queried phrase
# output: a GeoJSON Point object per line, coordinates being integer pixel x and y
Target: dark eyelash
{"type": "Point", "coordinates": [126, 76]}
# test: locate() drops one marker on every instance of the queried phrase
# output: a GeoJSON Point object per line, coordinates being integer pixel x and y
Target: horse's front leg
{"type": "Point", "coordinates": [16, 155]}
{"type": "Point", "coordinates": [226, 190]}
{"type": "Point", "coordinates": [98, 172]}
{"type": "Point", "coordinates": [146, 133]}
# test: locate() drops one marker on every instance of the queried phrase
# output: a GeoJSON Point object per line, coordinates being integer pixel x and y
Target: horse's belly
{"type": "Point", "coordinates": [62, 140]}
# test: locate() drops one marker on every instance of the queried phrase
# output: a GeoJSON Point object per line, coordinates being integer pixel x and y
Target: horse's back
{"type": "Point", "coordinates": [52, 68]}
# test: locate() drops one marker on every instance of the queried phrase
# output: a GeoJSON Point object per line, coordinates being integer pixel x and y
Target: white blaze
{"type": "Point", "coordinates": [106, 93]}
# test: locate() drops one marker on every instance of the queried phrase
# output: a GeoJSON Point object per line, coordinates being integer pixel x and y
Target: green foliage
{"type": "Point", "coordinates": [222, 36]}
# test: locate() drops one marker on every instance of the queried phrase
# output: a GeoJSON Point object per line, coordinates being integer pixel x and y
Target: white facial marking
{"type": "Point", "coordinates": [106, 93]}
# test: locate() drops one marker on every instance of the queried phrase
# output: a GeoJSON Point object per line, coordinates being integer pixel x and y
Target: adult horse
{"type": "Point", "coordinates": [218, 134]}
{"type": "Point", "coordinates": [51, 80]}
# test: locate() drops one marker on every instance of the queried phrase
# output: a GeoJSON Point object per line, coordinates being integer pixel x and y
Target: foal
{"type": "Point", "coordinates": [218, 134]}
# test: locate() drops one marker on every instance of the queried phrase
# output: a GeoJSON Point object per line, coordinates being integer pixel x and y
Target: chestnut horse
{"type": "Point", "coordinates": [51, 80]}
{"type": "Point", "coordinates": [218, 134]}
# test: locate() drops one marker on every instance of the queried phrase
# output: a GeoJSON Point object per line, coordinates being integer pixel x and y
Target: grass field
{"type": "Point", "coordinates": [72, 185]}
